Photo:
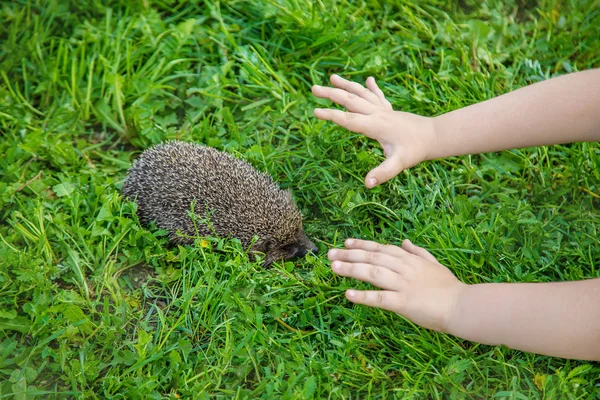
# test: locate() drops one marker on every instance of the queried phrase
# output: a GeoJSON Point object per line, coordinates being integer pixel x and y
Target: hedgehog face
{"type": "Point", "coordinates": [296, 247]}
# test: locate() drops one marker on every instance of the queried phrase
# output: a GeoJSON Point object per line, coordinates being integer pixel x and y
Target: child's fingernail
{"type": "Point", "coordinates": [372, 182]}
{"type": "Point", "coordinates": [349, 242]}
{"type": "Point", "coordinates": [351, 293]}
{"type": "Point", "coordinates": [336, 266]}
{"type": "Point", "coordinates": [332, 253]}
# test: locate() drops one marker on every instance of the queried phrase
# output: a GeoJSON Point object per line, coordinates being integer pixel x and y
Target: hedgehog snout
{"type": "Point", "coordinates": [302, 251]}
{"type": "Point", "coordinates": [310, 248]}
{"type": "Point", "coordinates": [305, 246]}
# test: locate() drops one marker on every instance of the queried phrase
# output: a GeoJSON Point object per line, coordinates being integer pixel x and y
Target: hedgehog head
{"type": "Point", "coordinates": [282, 237]}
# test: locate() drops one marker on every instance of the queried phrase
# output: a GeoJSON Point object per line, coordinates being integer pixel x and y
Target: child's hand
{"type": "Point", "coordinates": [415, 284]}
{"type": "Point", "coordinates": [407, 139]}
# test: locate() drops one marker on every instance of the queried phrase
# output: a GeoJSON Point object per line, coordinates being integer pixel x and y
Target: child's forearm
{"type": "Point", "coordinates": [558, 110]}
{"type": "Point", "coordinates": [557, 319]}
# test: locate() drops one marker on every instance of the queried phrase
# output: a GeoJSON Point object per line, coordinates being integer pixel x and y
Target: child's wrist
{"type": "Point", "coordinates": [453, 321]}
{"type": "Point", "coordinates": [434, 145]}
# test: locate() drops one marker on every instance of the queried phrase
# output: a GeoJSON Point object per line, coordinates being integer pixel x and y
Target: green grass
{"type": "Point", "coordinates": [94, 306]}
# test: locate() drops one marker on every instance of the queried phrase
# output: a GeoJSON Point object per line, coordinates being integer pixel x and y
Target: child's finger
{"type": "Point", "coordinates": [418, 251]}
{"type": "Point", "coordinates": [351, 121]}
{"type": "Point", "coordinates": [366, 257]}
{"type": "Point", "coordinates": [369, 245]}
{"type": "Point", "coordinates": [354, 87]}
{"type": "Point", "coordinates": [351, 101]}
{"type": "Point", "coordinates": [384, 172]}
{"type": "Point", "coordinates": [377, 276]}
{"type": "Point", "coordinates": [372, 85]}
{"type": "Point", "coordinates": [385, 299]}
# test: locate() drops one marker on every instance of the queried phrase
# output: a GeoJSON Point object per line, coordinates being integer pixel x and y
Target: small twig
{"type": "Point", "coordinates": [32, 159]}
{"type": "Point", "coordinates": [588, 191]}
{"type": "Point", "coordinates": [29, 181]}
{"type": "Point", "coordinates": [293, 329]}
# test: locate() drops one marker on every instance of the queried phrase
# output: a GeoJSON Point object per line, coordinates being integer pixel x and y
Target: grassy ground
{"type": "Point", "coordinates": [92, 305]}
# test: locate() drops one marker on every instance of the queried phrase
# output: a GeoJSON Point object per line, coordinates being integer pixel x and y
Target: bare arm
{"type": "Point", "coordinates": [557, 319]}
{"type": "Point", "coordinates": [559, 110]}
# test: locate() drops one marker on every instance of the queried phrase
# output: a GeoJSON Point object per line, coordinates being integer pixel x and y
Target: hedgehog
{"type": "Point", "coordinates": [193, 190]}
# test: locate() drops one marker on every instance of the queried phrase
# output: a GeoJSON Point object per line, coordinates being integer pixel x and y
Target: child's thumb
{"type": "Point", "coordinates": [384, 172]}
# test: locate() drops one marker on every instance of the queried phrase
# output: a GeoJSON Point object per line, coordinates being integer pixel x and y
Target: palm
{"type": "Point", "coordinates": [403, 136]}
